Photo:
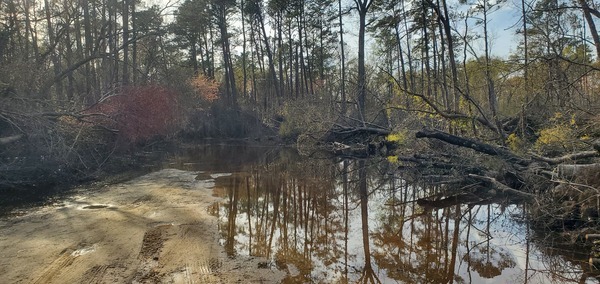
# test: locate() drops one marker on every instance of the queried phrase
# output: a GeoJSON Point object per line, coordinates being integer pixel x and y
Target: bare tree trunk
{"type": "Point", "coordinates": [525, 67]}
{"type": "Point", "coordinates": [452, 58]}
{"type": "Point", "coordinates": [52, 42]}
{"type": "Point", "coordinates": [244, 55]}
{"type": "Point", "coordinates": [444, 18]}
{"type": "Point", "coordinates": [210, 54]}
{"type": "Point", "coordinates": [343, 61]}
{"type": "Point", "coordinates": [227, 62]}
{"type": "Point", "coordinates": [133, 44]}
{"type": "Point", "coordinates": [362, 7]}
{"type": "Point", "coordinates": [447, 101]}
{"type": "Point", "coordinates": [29, 31]}
{"type": "Point", "coordinates": [68, 60]}
{"type": "Point", "coordinates": [269, 54]}
{"type": "Point", "coordinates": [280, 52]}
{"type": "Point", "coordinates": [426, 65]}
{"type": "Point", "coordinates": [252, 65]}
{"type": "Point", "coordinates": [408, 49]}
{"type": "Point", "coordinates": [291, 62]}
{"type": "Point", "coordinates": [308, 75]}
{"type": "Point", "coordinates": [493, 100]}
{"type": "Point", "coordinates": [80, 50]}
{"type": "Point", "coordinates": [591, 25]}
{"type": "Point", "coordinates": [301, 56]}
{"type": "Point", "coordinates": [125, 42]}
{"type": "Point", "coordinates": [115, 43]}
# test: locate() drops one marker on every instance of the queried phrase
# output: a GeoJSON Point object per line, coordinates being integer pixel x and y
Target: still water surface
{"type": "Point", "coordinates": [357, 221]}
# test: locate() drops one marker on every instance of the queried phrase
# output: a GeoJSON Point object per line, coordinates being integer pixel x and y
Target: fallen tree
{"type": "Point", "coordinates": [473, 144]}
{"type": "Point", "coordinates": [567, 185]}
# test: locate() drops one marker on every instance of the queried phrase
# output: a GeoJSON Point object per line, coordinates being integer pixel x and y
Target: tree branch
{"type": "Point", "coordinates": [472, 144]}
{"type": "Point", "coordinates": [495, 184]}
{"type": "Point", "coordinates": [565, 158]}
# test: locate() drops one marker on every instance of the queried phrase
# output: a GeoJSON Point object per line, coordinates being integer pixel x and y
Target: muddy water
{"type": "Point", "coordinates": [340, 221]}
{"type": "Point", "coordinates": [237, 214]}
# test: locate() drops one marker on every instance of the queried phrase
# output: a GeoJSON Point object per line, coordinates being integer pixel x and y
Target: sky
{"type": "Point", "coordinates": [503, 24]}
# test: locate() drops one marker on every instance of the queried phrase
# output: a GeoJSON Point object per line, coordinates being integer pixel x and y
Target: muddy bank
{"type": "Point", "coordinates": [152, 229]}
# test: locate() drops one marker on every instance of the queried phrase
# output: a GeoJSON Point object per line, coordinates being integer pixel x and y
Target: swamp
{"type": "Point", "coordinates": [269, 215]}
{"type": "Point", "coordinates": [288, 141]}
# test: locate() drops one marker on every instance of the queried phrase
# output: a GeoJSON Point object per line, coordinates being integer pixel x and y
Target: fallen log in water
{"type": "Point", "coordinates": [429, 163]}
{"type": "Point", "coordinates": [567, 195]}
{"type": "Point", "coordinates": [473, 144]}
{"type": "Point", "coordinates": [502, 187]}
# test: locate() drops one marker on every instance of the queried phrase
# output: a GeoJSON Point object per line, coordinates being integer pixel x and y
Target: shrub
{"type": "Point", "coordinates": [206, 89]}
{"type": "Point", "coordinates": [563, 134]}
{"type": "Point", "coordinates": [515, 143]}
{"type": "Point", "coordinates": [140, 113]}
{"type": "Point", "coordinates": [304, 117]}
{"type": "Point", "coordinates": [399, 137]}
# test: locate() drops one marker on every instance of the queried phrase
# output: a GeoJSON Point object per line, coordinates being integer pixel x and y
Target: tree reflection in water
{"type": "Point", "coordinates": [357, 222]}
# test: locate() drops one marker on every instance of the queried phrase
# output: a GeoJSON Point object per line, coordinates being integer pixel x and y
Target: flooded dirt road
{"type": "Point", "coordinates": [153, 229]}
{"type": "Point", "coordinates": [241, 214]}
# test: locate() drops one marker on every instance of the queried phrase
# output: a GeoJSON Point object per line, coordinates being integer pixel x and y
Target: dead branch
{"type": "Point", "coordinates": [453, 200]}
{"type": "Point", "coordinates": [495, 184]}
{"type": "Point", "coordinates": [352, 130]}
{"type": "Point", "coordinates": [472, 144]}
{"type": "Point", "coordinates": [569, 172]}
{"type": "Point", "coordinates": [425, 163]}
{"type": "Point", "coordinates": [10, 139]}
{"type": "Point", "coordinates": [482, 119]}
{"type": "Point", "coordinates": [566, 158]}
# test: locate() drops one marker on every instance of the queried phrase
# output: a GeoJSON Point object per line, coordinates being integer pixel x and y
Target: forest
{"type": "Point", "coordinates": [87, 86]}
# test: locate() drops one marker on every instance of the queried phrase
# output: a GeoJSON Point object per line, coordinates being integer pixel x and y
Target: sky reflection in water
{"type": "Point", "coordinates": [318, 219]}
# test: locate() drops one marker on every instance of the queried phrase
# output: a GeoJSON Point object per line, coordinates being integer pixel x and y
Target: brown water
{"type": "Point", "coordinates": [348, 221]}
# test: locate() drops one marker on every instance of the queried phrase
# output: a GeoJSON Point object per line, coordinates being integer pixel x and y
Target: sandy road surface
{"type": "Point", "coordinates": [153, 229]}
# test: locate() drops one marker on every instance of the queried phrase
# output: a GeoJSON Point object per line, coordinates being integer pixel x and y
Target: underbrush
{"type": "Point", "coordinates": [51, 149]}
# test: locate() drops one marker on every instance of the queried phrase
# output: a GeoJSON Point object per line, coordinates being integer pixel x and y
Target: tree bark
{"type": "Point", "coordinates": [569, 172]}
{"type": "Point", "coordinates": [502, 187]}
{"type": "Point", "coordinates": [363, 7]}
{"type": "Point", "coordinates": [125, 42]}
{"type": "Point", "coordinates": [53, 41]}
{"type": "Point", "coordinates": [343, 61]}
{"type": "Point", "coordinates": [472, 144]}
{"type": "Point", "coordinates": [566, 158]}
{"type": "Point", "coordinates": [591, 25]}
{"type": "Point", "coordinates": [269, 54]}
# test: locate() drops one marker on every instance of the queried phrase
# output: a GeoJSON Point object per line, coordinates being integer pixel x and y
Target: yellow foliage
{"type": "Point", "coordinates": [557, 136]}
{"type": "Point", "coordinates": [557, 116]}
{"type": "Point", "coordinates": [393, 159]}
{"type": "Point", "coordinates": [398, 137]}
{"type": "Point", "coordinates": [514, 142]}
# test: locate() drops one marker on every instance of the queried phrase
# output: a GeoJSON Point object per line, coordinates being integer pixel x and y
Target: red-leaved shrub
{"type": "Point", "coordinates": [140, 113]}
